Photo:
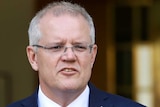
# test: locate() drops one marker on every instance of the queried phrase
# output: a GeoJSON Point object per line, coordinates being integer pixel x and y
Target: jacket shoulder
{"type": "Point", "coordinates": [120, 101]}
{"type": "Point", "coordinates": [103, 99]}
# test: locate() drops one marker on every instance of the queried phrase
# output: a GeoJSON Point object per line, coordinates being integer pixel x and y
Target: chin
{"type": "Point", "coordinates": [73, 86]}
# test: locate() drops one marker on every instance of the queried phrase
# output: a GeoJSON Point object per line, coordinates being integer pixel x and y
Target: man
{"type": "Point", "coordinates": [62, 50]}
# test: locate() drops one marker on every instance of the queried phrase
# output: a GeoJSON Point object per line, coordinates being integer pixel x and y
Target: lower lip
{"type": "Point", "coordinates": [70, 73]}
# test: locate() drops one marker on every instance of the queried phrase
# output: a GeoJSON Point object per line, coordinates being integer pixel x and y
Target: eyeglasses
{"type": "Point", "coordinates": [60, 49]}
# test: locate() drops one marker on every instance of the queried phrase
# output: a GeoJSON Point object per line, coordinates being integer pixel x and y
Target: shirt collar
{"type": "Point", "coordinates": [81, 101]}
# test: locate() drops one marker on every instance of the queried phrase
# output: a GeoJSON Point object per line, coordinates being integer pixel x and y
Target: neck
{"type": "Point", "coordinates": [63, 98]}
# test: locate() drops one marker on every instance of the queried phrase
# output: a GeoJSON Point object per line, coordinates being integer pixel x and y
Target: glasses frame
{"type": "Point", "coordinates": [65, 47]}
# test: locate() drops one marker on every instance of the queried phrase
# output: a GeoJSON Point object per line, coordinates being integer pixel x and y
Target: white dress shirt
{"type": "Point", "coordinates": [81, 101]}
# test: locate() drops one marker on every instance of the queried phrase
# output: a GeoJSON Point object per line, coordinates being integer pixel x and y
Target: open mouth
{"type": "Point", "coordinates": [68, 71]}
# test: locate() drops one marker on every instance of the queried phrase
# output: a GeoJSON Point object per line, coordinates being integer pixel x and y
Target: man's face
{"type": "Point", "coordinates": [63, 71]}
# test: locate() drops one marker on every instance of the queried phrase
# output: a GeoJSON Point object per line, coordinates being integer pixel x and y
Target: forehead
{"type": "Point", "coordinates": [50, 16]}
{"type": "Point", "coordinates": [66, 24]}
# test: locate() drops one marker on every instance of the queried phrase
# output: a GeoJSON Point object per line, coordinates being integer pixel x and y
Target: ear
{"type": "Point", "coordinates": [94, 53]}
{"type": "Point", "coordinates": [32, 57]}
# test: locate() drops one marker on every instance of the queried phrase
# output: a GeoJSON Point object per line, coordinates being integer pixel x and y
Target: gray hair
{"type": "Point", "coordinates": [58, 8]}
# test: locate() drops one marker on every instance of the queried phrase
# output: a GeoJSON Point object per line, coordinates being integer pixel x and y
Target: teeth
{"type": "Point", "coordinates": [67, 70]}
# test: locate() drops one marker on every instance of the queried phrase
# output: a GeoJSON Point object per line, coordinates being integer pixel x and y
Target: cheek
{"type": "Point", "coordinates": [87, 71]}
{"type": "Point", "coordinates": [86, 64]}
{"type": "Point", "coordinates": [47, 71]}
{"type": "Point", "coordinates": [46, 64]}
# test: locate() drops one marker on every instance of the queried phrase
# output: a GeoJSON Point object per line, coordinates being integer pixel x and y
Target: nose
{"type": "Point", "coordinates": [65, 49]}
{"type": "Point", "coordinates": [69, 54]}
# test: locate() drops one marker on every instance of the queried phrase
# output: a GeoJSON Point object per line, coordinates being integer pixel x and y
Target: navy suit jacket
{"type": "Point", "coordinates": [97, 98]}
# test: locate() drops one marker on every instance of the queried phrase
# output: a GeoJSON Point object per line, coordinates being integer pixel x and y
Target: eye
{"type": "Point", "coordinates": [80, 48]}
{"type": "Point", "coordinates": [56, 48]}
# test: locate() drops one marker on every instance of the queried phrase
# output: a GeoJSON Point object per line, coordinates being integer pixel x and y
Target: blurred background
{"type": "Point", "coordinates": [128, 39]}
